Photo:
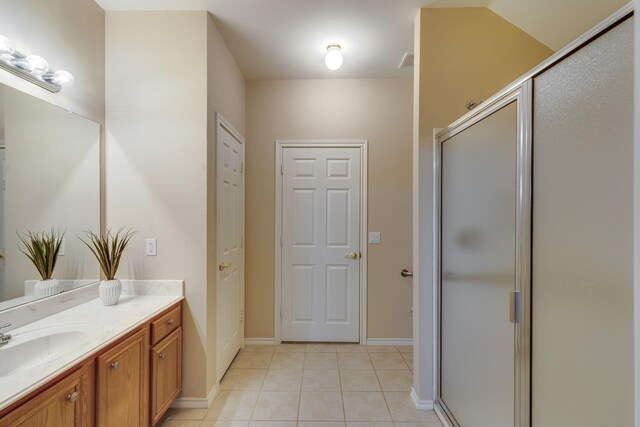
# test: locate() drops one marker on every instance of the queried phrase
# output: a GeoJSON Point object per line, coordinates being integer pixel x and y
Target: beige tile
{"type": "Point", "coordinates": [243, 379]}
{"type": "Point", "coordinates": [354, 361]}
{"type": "Point", "coordinates": [186, 414]}
{"type": "Point", "coordinates": [291, 348]}
{"type": "Point", "coordinates": [288, 361]}
{"type": "Point", "coordinates": [282, 380]}
{"type": "Point", "coordinates": [321, 380]}
{"type": "Point", "coordinates": [321, 424]}
{"type": "Point", "coordinates": [321, 361]}
{"type": "Point", "coordinates": [272, 424]}
{"type": "Point", "coordinates": [395, 379]}
{"type": "Point", "coordinates": [370, 424]}
{"type": "Point", "coordinates": [382, 349]}
{"type": "Point", "coordinates": [365, 406]}
{"type": "Point", "coordinates": [233, 405]}
{"type": "Point", "coordinates": [388, 361]}
{"type": "Point", "coordinates": [420, 424]}
{"type": "Point", "coordinates": [403, 409]}
{"type": "Point", "coordinates": [181, 423]}
{"type": "Point", "coordinates": [359, 380]}
{"type": "Point", "coordinates": [259, 349]}
{"type": "Point", "coordinates": [277, 406]}
{"type": "Point", "coordinates": [405, 348]}
{"type": "Point", "coordinates": [321, 348]}
{"type": "Point", "coordinates": [224, 424]}
{"type": "Point", "coordinates": [252, 361]}
{"type": "Point", "coordinates": [351, 348]}
{"type": "Point", "coordinates": [321, 406]}
{"type": "Point", "coordinates": [408, 358]}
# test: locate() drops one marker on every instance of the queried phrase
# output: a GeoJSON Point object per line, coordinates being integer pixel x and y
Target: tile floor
{"type": "Point", "coordinates": [313, 385]}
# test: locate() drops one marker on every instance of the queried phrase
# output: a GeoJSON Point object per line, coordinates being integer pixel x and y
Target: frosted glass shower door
{"type": "Point", "coordinates": [478, 257]}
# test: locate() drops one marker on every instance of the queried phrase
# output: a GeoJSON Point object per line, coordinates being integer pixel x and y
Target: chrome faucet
{"type": "Point", "coordinates": [4, 338]}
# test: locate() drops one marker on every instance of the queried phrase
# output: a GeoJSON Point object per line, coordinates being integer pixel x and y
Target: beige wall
{"type": "Point", "coordinates": [160, 158]}
{"type": "Point", "coordinates": [462, 54]}
{"type": "Point", "coordinates": [225, 94]}
{"type": "Point", "coordinates": [377, 110]}
{"type": "Point", "coordinates": [69, 34]}
{"type": "Point", "coordinates": [156, 164]}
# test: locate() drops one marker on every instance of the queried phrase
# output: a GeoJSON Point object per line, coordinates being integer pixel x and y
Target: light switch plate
{"type": "Point", "coordinates": [374, 237]}
{"type": "Point", "coordinates": [151, 247]}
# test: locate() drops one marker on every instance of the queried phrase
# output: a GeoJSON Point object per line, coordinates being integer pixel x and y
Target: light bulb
{"type": "Point", "coordinates": [333, 59]}
{"type": "Point", "coordinates": [6, 47]}
{"type": "Point", "coordinates": [63, 78]}
{"type": "Point", "coordinates": [37, 65]}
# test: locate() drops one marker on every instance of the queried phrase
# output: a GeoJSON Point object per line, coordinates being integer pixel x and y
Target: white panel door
{"type": "Point", "coordinates": [229, 250]}
{"type": "Point", "coordinates": [321, 244]}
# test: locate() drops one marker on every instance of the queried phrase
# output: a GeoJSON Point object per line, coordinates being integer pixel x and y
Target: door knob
{"type": "Point", "coordinates": [224, 265]}
{"type": "Point", "coordinates": [352, 255]}
{"type": "Point", "coordinates": [73, 397]}
{"type": "Point", "coordinates": [406, 273]}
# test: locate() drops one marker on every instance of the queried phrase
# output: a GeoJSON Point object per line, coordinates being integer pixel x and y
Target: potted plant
{"type": "Point", "coordinates": [43, 249]}
{"type": "Point", "coordinates": [108, 249]}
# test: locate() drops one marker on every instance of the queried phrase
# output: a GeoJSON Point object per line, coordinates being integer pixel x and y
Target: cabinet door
{"type": "Point", "coordinates": [166, 373]}
{"type": "Point", "coordinates": [66, 404]}
{"type": "Point", "coordinates": [121, 398]}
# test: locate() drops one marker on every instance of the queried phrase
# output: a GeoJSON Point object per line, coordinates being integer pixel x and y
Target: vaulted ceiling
{"type": "Point", "coordinates": [288, 38]}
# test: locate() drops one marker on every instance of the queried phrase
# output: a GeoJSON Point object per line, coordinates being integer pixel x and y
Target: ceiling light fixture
{"type": "Point", "coordinates": [333, 59]}
{"type": "Point", "coordinates": [33, 68]}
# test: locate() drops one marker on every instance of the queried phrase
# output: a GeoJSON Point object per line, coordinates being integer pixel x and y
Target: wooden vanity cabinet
{"type": "Point", "coordinates": [69, 403]}
{"type": "Point", "coordinates": [122, 381]}
{"type": "Point", "coordinates": [166, 374]}
{"type": "Point", "coordinates": [131, 383]}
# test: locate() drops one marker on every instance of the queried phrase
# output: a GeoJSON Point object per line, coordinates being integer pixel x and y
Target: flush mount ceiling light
{"type": "Point", "coordinates": [33, 68]}
{"type": "Point", "coordinates": [333, 59]}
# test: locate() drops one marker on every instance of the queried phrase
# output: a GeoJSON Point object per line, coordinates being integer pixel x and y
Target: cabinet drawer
{"type": "Point", "coordinates": [166, 374]}
{"type": "Point", "coordinates": [164, 325]}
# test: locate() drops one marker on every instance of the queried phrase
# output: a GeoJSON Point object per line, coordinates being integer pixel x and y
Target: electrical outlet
{"type": "Point", "coordinates": [374, 238]}
{"type": "Point", "coordinates": [151, 247]}
{"type": "Point", "coordinates": [61, 252]}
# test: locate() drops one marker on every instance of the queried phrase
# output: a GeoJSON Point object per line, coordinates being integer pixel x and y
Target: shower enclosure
{"type": "Point", "coordinates": [534, 223]}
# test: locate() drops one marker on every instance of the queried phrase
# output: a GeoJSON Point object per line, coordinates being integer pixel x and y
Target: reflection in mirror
{"type": "Point", "coordinates": [50, 166]}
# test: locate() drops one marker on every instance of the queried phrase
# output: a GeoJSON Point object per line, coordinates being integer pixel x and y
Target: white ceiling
{"type": "Point", "coordinates": [287, 38]}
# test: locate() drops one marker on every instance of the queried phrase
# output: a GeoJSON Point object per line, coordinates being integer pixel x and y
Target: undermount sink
{"type": "Point", "coordinates": [35, 347]}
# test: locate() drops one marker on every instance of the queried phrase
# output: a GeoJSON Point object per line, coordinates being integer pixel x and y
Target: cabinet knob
{"type": "Point", "coordinates": [163, 356]}
{"type": "Point", "coordinates": [170, 322]}
{"type": "Point", "coordinates": [115, 366]}
{"type": "Point", "coordinates": [73, 397]}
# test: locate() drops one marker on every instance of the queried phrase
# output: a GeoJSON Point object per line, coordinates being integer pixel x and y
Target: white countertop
{"type": "Point", "coordinates": [104, 325]}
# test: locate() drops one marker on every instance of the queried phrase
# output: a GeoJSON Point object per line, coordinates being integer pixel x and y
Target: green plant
{"type": "Point", "coordinates": [108, 249]}
{"type": "Point", "coordinates": [42, 249]}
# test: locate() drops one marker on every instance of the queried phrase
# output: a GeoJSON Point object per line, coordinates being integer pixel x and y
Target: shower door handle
{"type": "Point", "coordinates": [515, 307]}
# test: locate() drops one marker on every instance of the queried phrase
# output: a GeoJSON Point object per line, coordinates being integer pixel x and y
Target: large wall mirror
{"type": "Point", "coordinates": [50, 168]}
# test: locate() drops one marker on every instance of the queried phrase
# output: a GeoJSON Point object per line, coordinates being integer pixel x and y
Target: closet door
{"type": "Point", "coordinates": [582, 253]}
{"type": "Point", "coordinates": [477, 345]}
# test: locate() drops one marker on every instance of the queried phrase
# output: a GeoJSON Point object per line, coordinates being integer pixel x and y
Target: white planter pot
{"type": "Point", "coordinates": [46, 288]}
{"type": "Point", "coordinates": [109, 291]}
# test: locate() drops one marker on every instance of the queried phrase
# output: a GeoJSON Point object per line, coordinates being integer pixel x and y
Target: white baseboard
{"type": "Point", "coordinates": [390, 341]}
{"type": "Point", "coordinates": [196, 402]}
{"type": "Point", "coordinates": [421, 405]}
{"type": "Point", "coordinates": [259, 341]}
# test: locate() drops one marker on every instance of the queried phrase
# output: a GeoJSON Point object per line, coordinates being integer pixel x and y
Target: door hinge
{"type": "Point", "coordinates": [241, 167]}
{"type": "Point", "coordinates": [241, 316]}
{"type": "Point", "coordinates": [241, 242]}
{"type": "Point", "coordinates": [281, 312]}
{"type": "Point", "coordinates": [281, 241]}
{"type": "Point", "coordinates": [281, 170]}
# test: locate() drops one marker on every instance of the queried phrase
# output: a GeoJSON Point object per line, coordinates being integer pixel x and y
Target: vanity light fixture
{"type": "Point", "coordinates": [333, 59]}
{"type": "Point", "coordinates": [33, 68]}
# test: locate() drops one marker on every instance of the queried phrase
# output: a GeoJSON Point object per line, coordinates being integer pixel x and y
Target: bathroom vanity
{"type": "Point", "coordinates": [95, 365]}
